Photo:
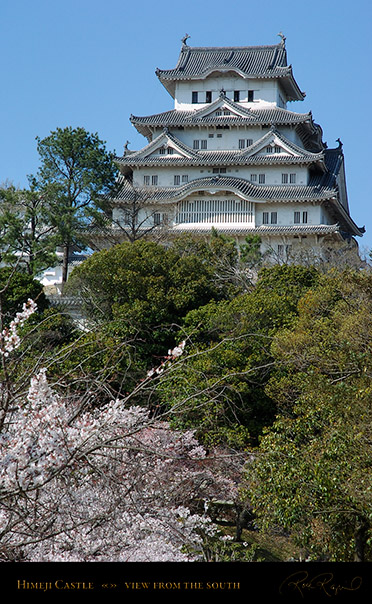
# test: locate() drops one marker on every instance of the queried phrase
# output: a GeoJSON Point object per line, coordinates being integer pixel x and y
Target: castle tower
{"type": "Point", "coordinates": [232, 155]}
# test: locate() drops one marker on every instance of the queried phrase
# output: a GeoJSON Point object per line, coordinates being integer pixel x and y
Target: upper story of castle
{"type": "Point", "coordinates": [253, 76]}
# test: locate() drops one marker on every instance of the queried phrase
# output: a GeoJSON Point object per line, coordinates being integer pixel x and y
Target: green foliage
{"type": "Point", "coordinates": [251, 251]}
{"type": "Point", "coordinates": [143, 290]}
{"type": "Point", "coordinates": [312, 474]}
{"type": "Point", "coordinates": [27, 238]}
{"type": "Point", "coordinates": [220, 389]}
{"type": "Point", "coordinates": [15, 289]}
{"type": "Point", "coordinates": [76, 175]}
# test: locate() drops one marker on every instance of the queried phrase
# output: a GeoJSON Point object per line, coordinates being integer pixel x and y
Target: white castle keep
{"type": "Point", "coordinates": [232, 156]}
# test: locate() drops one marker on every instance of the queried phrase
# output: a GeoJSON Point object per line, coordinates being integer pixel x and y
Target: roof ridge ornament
{"type": "Point", "coordinates": [283, 39]}
{"type": "Point", "coordinates": [184, 39]}
{"type": "Point", "coordinates": [126, 147]}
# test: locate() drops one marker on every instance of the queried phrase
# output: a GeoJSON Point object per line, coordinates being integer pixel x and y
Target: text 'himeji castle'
{"type": "Point", "coordinates": [232, 156]}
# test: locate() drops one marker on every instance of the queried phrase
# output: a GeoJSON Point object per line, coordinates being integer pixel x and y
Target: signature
{"type": "Point", "coordinates": [302, 582]}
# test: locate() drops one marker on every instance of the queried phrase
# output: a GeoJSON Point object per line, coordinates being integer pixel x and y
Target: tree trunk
{"type": "Point", "coordinates": [66, 251]}
{"type": "Point", "coordinates": [361, 534]}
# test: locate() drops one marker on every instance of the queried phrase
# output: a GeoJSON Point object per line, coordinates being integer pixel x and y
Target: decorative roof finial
{"type": "Point", "coordinates": [126, 147]}
{"type": "Point", "coordinates": [283, 38]}
{"type": "Point", "coordinates": [339, 143]}
{"type": "Point", "coordinates": [184, 39]}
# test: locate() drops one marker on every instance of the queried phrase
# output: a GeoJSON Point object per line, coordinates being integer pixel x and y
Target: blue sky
{"type": "Point", "coordinates": [91, 63]}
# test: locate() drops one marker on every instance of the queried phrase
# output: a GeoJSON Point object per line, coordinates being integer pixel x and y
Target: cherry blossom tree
{"type": "Point", "coordinates": [109, 483]}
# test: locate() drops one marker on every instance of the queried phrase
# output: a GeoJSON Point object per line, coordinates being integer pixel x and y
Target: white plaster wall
{"type": "Point", "coordinates": [273, 174]}
{"type": "Point", "coordinates": [285, 212]}
{"type": "Point", "coordinates": [229, 138]}
{"type": "Point", "coordinates": [266, 91]}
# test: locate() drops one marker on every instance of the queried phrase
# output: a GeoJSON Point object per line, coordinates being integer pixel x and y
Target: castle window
{"type": "Point", "coordinates": [162, 150]}
{"type": "Point", "coordinates": [269, 218]}
{"type": "Point", "coordinates": [200, 144]}
{"type": "Point", "coordinates": [177, 179]}
{"type": "Point", "coordinates": [185, 178]}
{"type": "Point", "coordinates": [154, 180]}
{"type": "Point", "coordinates": [212, 211]}
{"type": "Point", "coordinates": [194, 97]}
{"type": "Point", "coordinates": [160, 218]}
{"type": "Point", "coordinates": [219, 170]}
{"type": "Point", "coordinates": [261, 179]}
{"type": "Point", "coordinates": [236, 96]}
{"type": "Point", "coordinates": [292, 178]}
{"type": "Point", "coordinates": [250, 96]}
{"type": "Point", "coordinates": [249, 142]}
{"type": "Point", "coordinates": [208, 96]}
{"type": "Point", "coordinates": [284, 179]}
{"type": "Point", "coordinates": [253, 177]}
{"type": "Point", "coordinates": [241, 143]}
{"type": "Point", "coordinates": [219, 135]}
{"type": "Point", "coordinates": [170, 150]}
{"type": "Point", "coordinates": [297, 218]}
{"type": "Point", "coordinates": [146, 180]}
{"type": "Point", "coordinates": [210, 135]}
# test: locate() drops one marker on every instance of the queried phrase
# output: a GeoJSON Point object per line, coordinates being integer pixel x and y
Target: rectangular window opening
{"type": "Point", "coordinates": [284, 179]}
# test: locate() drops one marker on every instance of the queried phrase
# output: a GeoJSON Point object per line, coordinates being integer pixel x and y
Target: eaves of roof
{"type": "Point", "coordinates": [238, 157]}
{"type": "Point", "coordinates": [177, 118]}
{"type": "Point", "coordinates": [264, 230]}
{"type": "Point", "coordinates": [242, 187]}
{"type": "Point", "coordinates": [249, 61]}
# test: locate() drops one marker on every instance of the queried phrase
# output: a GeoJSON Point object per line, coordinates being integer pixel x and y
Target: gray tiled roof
{"type": "Point", "coordinates": [176, 118]}
{"type": "Point", "coordinates": [333, 161]}
{"type": "Point", "coordinates": [252, 61]}
{"type": "Point", "coordinates": [281, 193]}
{"type": "Point", "coordinates": [236, 157]}
{"type": "Point", "coordinates": [267, 230]}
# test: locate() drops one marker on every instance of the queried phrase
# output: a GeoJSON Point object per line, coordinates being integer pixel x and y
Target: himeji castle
{"type": "Point", "coordinates": [232, 156]}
